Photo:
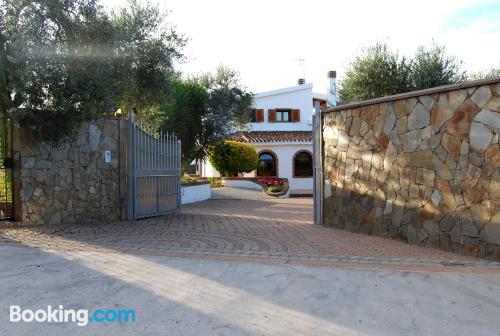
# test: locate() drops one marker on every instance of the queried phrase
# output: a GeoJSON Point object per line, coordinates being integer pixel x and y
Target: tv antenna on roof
{"type": "Point", "coordinates": [302, 63]}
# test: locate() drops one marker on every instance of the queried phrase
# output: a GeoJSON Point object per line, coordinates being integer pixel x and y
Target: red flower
{"type": "Point", "coordinates": [271, 181]}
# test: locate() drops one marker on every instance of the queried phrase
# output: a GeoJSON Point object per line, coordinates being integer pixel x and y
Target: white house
{"type": "Point", "coordinates": [281, 132]}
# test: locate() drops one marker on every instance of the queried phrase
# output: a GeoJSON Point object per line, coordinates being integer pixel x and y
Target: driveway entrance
{"type": "Point", "coordinates": [229, 193]}
{"type": "Point", "coordinates": [262, 230]}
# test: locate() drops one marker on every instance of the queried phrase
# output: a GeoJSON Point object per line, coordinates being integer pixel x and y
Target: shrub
{"type": "Point", "coordinates": [275, 188]}
{"type": "Point", "coordinates": [188, 179]}
{"type": "Point", "coordinates": [214, 182]}
{"type": "Point", "coordinates": [231, 158]}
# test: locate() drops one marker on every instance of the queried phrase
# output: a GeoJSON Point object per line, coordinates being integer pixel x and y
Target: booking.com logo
{"type": "Point", "coordinates": [81, 316]}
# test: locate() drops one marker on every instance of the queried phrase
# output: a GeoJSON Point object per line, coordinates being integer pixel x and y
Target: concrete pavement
{"type": "Point", "coordinates": [180, 296]}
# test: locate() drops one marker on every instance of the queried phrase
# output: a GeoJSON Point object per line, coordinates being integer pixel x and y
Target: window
{"type": "Point", "coordinates": [253, 115]}
{"type": "Point", "coordinates": [256, 115]}
{"type": "Point", "coordinates": [267, 165]}
{"type": "Point", "coordinates": [283, 115]}
{"type": "Point", "coordinates": [302, 164]}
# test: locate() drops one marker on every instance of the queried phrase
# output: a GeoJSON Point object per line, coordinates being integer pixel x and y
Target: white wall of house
{"type": "Point", "coordinates": [207, 170]}
{"type": "Point", "coordinates": [285, 153]}
{"type": "Point", "coordinates": [296, 97]}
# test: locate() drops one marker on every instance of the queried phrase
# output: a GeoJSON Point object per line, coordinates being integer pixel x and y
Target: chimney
{"type": "Point", "coordinates": [331, 95]}
{"type": "Point", "coordinates": [301, 81]}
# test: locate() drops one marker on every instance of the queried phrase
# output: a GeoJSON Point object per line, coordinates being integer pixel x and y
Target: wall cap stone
{"type": "Point", "coordinates": [438, 89]}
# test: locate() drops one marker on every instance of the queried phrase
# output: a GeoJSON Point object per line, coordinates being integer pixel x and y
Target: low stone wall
{"type": "Point", "coordinates": [423, 167]}
{"type": "Point", "coordinates": [72, 182]}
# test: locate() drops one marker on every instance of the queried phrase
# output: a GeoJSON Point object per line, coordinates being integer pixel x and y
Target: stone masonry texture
{"type": "Point", "coordinates": [424, 169]}
{"type": "Point", "coordinates": [71, 182]}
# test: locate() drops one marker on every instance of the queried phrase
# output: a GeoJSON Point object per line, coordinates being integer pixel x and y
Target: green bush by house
{"type": "Point", "coordinates": [231, 158]}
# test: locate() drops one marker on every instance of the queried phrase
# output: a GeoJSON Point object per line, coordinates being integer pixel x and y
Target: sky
{"type": "Point", "coordinates": [265, 39]}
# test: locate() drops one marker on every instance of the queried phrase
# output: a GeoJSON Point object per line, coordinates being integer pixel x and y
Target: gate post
{"type": "Point", "coordinates": [318, 169]}
{"type": "Point", "coordinates": [130, 168]}
{"type": "Point", "coordinates": [179, 167]}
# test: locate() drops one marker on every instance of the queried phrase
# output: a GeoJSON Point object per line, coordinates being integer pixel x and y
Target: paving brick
{"type": "Point", "coordinates": [268, 230]}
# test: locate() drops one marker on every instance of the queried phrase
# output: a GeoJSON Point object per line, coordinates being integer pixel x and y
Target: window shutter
{"type": "Point", "coordinates": [295, 115]}
{"type": "Point", "coordinates": [259, 115]}
{"type": "Point", "coordinates": [272, 115]}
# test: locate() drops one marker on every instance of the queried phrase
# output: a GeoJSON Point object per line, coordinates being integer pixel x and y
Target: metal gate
{"type": "Point", "coordinates": [155, 172]}
{"type": "Point", "coordinates": [6, 195]}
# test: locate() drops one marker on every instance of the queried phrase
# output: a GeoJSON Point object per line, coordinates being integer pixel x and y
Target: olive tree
{"type": "Point", "coordinates": [379, 71]}
{"type": "Point", "coordinates": [68, 61]}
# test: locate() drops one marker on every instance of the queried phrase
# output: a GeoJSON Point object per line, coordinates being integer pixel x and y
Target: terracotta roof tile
{"type": "Point", "coordinates": [271, 136]}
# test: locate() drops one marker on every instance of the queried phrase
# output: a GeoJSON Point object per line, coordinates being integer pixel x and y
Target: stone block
{"type": "Point", "coordinates": [427, 101]}
{"type": "Point", "coordinates": [446, 194]}
{"type": "Point", "coordinates": [469, 229]}
{"type": "Point", "coordinates": [432, 228]}
{"type": "Point", "coordinates": [389, 123]}
{"type": "Point", "coordinates": [480, 136]}
{"type": "Point", "coordinates": [452, 145]}
{"type": "Point", "coordinates": [421, 159]}
{"type": "Point", "coordinates": [59, 154]}
{"type": "Point", "coordinates": [441, 113]}
{"type": "Point", "coordinates": [390, 156]}
{"type": "Point", "coordinates": [493, 104]}
{"type": "Point", "coordinates": [413, 191]}
{"type": "Point", "coordinates": [425, 177]}
{"type": "Point", "coordinates": [460, 123]}
{"type": "Point", "coordinates": [456, 98]}
{"type": "Point", "coordinates": [489, 118]}
{"type": "Point", "coordinates": [28, 162]}
{"type": "Point", "coordinates": [109, 143]}
{"type": "Point", "coordinates": [491, 232]}
{"type": "Point", "coordinates": [94, 137]}
{"type": "Point", "coordinates": [419, 117]}
{"type": "Point", "coordinates": [411, 140]}
{"type": "Point", "coordinates": [481, 96]}
{"type": "Point", "coordinates": [412, 235]}
{"type": "Point", "coordinates": [402, 125]}
{"type": "Point", "coordinates": [428, 212]}
{"type": "Point", "coordinates": [397, 211]}
{"type": "Point", "coordinates": [400, 108]}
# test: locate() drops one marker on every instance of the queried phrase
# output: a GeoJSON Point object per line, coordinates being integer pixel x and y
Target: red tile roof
{"type": "Point", "coordinates": [271, 136]}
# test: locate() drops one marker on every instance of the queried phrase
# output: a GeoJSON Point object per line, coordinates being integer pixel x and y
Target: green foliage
{"type": "Point", "coordinates": [431, 67]}
{"type": "Point", "coordinates": [184, 116]}
{"type": "Point", "coordinates": [188, 179]}
{"type": "Point", "coordinates": [493, 72]}
{"type": "Point", "coordinates": [275, 188]}
{"type": "Point", "coordinates": [375, 73]}
{"type": "Point", "coordinates": [379, 72]}
{"type": "Point", "coordinates": [203, 110]}
{"type": "Point", "coordinates": [70, 61]}
{"type": "Point", "coordinates": [5, 185]}
{"type": "Point", "coordinates": [214, 182]}
{"type": "Point", "coordinates": [231, 158]}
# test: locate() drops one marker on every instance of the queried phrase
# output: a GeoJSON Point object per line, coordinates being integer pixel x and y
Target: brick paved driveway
{"type": "Point", "coordinates": [267, 230]}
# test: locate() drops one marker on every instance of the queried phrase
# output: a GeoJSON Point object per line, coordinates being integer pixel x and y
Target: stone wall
{"type": "Point", "coordinates": [72, 183]}
{"type": "Point", "coordinates": [423, 167]}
